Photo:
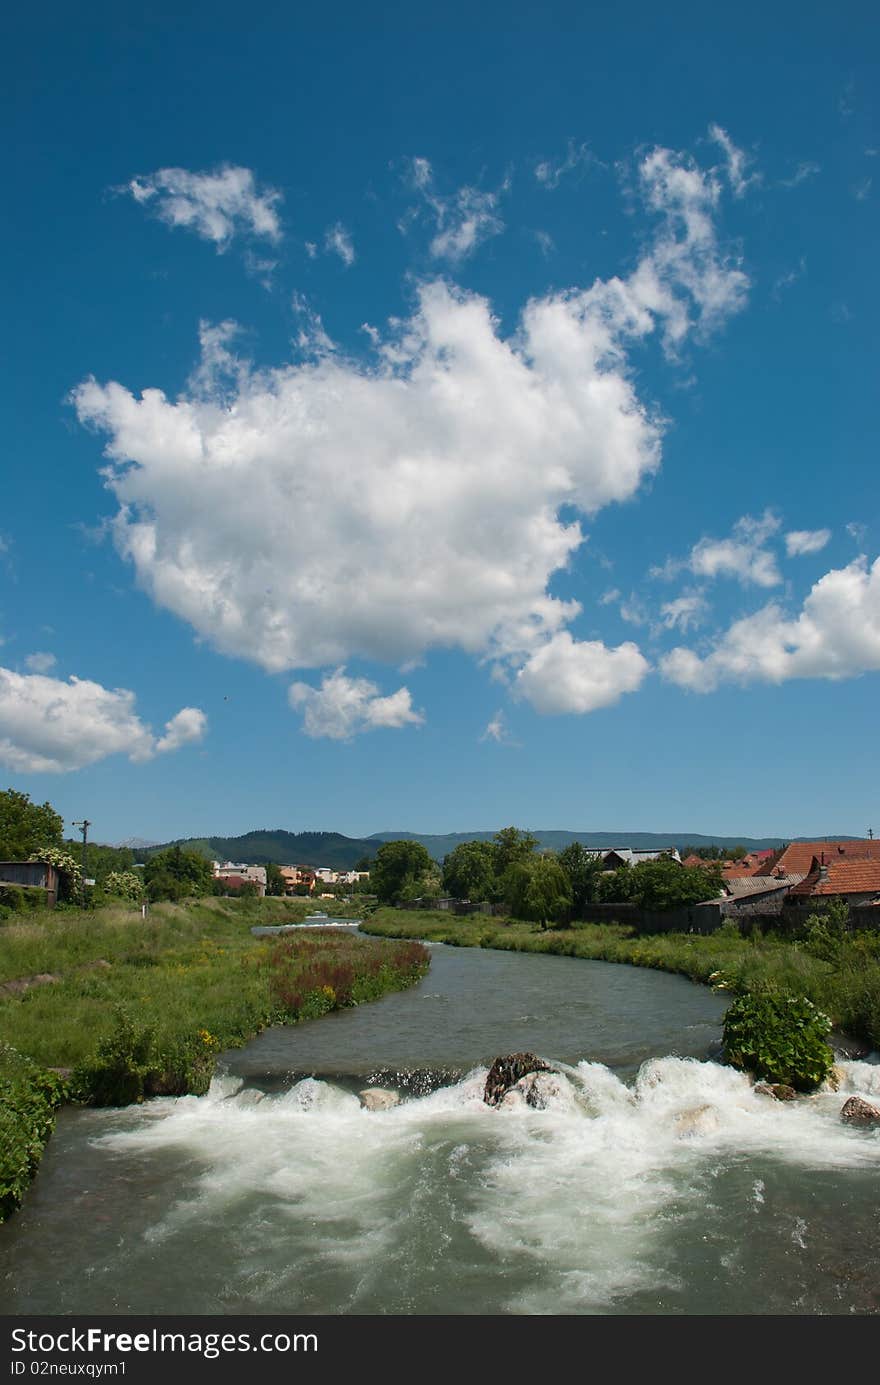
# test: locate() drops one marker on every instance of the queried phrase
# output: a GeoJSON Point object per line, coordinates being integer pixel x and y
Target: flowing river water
{"type": "Point", "coordinates": [655, 1182]}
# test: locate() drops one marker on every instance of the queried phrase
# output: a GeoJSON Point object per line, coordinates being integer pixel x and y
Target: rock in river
{"type": "Point", "coordinates": [506, 1072]}
{"type": "Point", "coordinates": [855, 1111]}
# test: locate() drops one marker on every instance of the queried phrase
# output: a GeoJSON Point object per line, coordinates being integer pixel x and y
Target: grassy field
{"type": "Point", "coordinates": [140, 1007]}
{"type": "Point", "coordinates": [841, 976]}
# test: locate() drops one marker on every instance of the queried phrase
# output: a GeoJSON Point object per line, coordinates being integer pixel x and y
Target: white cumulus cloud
{"type": "Point", "coordinates": [800, 541]}
{"type": "Point", "coordinates": [744, 555]}
{"type": "Point", "coordinates": [48, 725]}
{"type": "Point", "coordinates": [835, 635]}
{"type": "Point", "coordinates": [568, 675]}
{"type": "Point", "coordinates": [217, 205]}
{"type": "Point", "coordinates": [343, 707]}
{"type": "Point", "coordinates": [339, 508]}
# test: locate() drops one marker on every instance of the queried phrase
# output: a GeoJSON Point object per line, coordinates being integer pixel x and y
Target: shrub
{"type": "Point", "coordinates": [132, 1063]}
{"type": "Point", "coordinates": [780, 1038]}
{"type": "Point", "coordinates": [28, 1098]}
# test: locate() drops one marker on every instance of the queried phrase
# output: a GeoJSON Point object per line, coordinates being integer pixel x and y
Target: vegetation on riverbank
{"type": "Point", "coordinates": [838, 971]}
{"type": "Point", "coordinates": [131, 1007]}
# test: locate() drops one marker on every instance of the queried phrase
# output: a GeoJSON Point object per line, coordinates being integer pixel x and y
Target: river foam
{"type": "Point", "coordinates": [612, 1198]}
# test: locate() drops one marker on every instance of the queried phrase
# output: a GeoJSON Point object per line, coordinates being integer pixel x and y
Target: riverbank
{"type": "Point", "coordinates": [128, 1007]}
{"type": "Point", "coordinates": [844, 982]}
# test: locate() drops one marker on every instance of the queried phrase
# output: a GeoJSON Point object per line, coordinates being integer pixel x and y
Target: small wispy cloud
{"type": "Point", "coordinates": [578, 157]}
{"type": "Point", "coordinates": [801, 541]}
{"type": "Point", "coordinates": [737, 161]}
{"type": "Point", "coordinates": [785, 281]}
{"type": "Point", "coordinates": [805, 170]}
{"type": "Point", "coordinates": [40, 663]}
{"type": "Point", "coordinates": [338, 241]}
{"type": "Point", "coordinates": [217, 205]}
{"type": "Point", "coordinates": [497, 730]}
{"type": "Point", "coordinates": [463, 220]}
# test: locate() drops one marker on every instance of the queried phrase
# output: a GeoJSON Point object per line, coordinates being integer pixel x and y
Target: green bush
{"type": "Point", "coordinates": [133, 1062]}
{"type": "Point", "coordinates": [780, 1038]}
{"type": "Point", "coordinates": [28, 1098]}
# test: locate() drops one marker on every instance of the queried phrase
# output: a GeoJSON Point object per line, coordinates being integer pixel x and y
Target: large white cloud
{"type": "Point", "coordinates": [344, 707]}
{"type": "Point", "coordinates": [337, 508]}
{"type": "Point", "coordinates": [49, 725]}
{"type": "Point", "coordinates": [835, 635]}
{"type": "Point", "coordinates": [216, 205]}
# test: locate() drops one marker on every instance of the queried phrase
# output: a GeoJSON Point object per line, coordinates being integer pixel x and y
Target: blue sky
{"type": "Point", "coordinates": [434, 425]}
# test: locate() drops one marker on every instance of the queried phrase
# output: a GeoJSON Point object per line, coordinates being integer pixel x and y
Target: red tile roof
{"type": "Point", "coordinates": [797, 858]}
{"type": "Point", "coordinates": [842, 878]}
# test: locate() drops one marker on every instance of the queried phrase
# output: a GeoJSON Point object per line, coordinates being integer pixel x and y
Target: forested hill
{"type": "Point", "coordinates": [258, 848]}
{"type": "Point", "coordinates": [337, 852]}
{"type": "Point", "coordinates": [440, 846]}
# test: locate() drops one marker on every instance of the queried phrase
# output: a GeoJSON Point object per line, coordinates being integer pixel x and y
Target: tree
{"type": "Point", "coordinates": [664, 884]}
{"type": "Point", "coordinates": [583, 869]}
{"type": "Point", "coordinates": [512, 846]}
{"type": "Point", "coordinates": [26, 827]}
{"type": "Point", "coordinates": [469, 872]}
{"type": "Point", "coordinates": [400, 867]}
{"type": "Point", "coordinates": [538, 889]}
{"type": "Point", "coordinates": [274, 880]}
{"type": "Point", "coordinates": [176, 873]}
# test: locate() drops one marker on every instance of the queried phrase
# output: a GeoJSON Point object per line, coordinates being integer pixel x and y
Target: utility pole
{"type": "Point", "coordinates": [84, 828]}
{"type": "Point", "coordinates": [870, 834]}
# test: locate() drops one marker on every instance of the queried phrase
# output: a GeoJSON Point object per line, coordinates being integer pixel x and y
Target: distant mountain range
{"type": "Point", "coordinates": [337, 852]}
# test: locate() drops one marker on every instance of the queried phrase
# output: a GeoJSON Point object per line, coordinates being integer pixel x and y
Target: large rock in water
{"type": "Point", "coordinates": [506, 1072]}
{"type": "Point", "coordinates": [855, 1111]}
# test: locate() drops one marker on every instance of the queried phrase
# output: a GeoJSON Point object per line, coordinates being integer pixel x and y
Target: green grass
{"type": "Point", "coordinates": [141, 1006]}
{"type": "Point", "coordinates": [847, 988]}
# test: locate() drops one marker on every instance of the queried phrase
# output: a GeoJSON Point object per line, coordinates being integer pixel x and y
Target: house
{"type": "Point", "coordinates": [749, 894]}
{"type": "Point", "coordinates": [799, 856]}
{"type": "Point", "coordinates": [856, 882]}
{"type": "Point", "coordinates": [30, 875]}
{"type": "Point", "coordinates": [236, 874]}
{"type": "Point", "coordinates": [295, 877]}
{"type": "Point", "coordinates": [631, 856]}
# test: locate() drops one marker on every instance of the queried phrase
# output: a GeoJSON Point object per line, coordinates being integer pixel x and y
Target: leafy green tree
{"type": "Point", "coordinates": [469, 872]}
{"type": "Point", "coordinates": [176, 873]}
{"type": "Point", "coordinates": [274, 880]}
{"type": "Point", "coordinates": [511, 847]}
{"type": "Point", "coordinates": [583, 869]}
{"type": "Point", "coordinates": [400, 870]}
{"type": "Point", "coordinates": [664, 884]}
{"type": "Point", "coordinates": [538, 889]}
{"type": "Point", "coordinates": [26, 827]}
{"type": "Point", "coordinates": [615, 887]}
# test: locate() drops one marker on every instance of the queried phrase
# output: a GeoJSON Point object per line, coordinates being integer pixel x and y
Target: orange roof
{"type": "Point", "coordinates": [797, 858]}
{"type": "Point", "coordinates": [843, 877]}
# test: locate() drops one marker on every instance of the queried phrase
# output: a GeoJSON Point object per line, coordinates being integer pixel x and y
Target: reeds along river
{"type": "Point", "coordinates": [653, 1182]}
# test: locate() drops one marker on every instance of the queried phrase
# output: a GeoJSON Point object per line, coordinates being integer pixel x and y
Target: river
{"type": "Point", "coordinates": [656, 1182]}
